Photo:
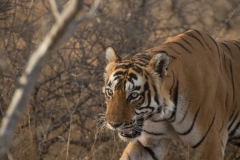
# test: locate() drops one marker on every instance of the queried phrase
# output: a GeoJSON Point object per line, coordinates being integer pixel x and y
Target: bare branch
{"type": "Point", "coordinates": [59, 33]}
{"type": "Point", "coordinates": [56, 8]}
{"type": "Point", "coordinates": [91, 11]}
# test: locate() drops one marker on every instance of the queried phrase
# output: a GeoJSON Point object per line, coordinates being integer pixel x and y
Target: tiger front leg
{"type": "Point", "coordinates": [139, 151]}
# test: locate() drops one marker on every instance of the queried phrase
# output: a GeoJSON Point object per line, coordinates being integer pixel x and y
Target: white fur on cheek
{"type": "Point", "coordinates": [138, 82]}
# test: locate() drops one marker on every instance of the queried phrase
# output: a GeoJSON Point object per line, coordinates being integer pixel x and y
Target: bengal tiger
{"type": "Point", "coordinates": [187, 89]}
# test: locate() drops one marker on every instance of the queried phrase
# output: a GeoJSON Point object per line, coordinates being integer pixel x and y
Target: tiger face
{"type": "Point", "coordinates": [134, 93]}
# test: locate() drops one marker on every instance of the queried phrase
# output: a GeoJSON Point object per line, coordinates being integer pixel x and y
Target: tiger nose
{"type": "Point", "coordinates": [115, 124]}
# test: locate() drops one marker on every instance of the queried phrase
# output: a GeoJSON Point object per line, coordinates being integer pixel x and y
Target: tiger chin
{"type": "Point", "coordinates": [185, 89]}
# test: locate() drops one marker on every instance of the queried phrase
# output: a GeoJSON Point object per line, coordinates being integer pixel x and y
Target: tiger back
{"type": "Point", "coordinates": [185, 89]}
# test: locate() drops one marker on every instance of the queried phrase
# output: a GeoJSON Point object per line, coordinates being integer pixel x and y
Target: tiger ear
{"type": "Point", "coordinates": [159, 63]}
{"type": "Point", "coordinates": [111, 55]}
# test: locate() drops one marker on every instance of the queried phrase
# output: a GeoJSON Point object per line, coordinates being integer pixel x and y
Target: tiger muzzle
{"type": "Point", "coordinates": [115, 125]}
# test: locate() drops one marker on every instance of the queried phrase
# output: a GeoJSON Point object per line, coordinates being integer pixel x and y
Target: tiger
{"type": "Point", "coordinates": [186, 89]}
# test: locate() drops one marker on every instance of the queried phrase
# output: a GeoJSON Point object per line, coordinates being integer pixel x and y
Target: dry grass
{"type": "Point", "coordinates": [64, 118]}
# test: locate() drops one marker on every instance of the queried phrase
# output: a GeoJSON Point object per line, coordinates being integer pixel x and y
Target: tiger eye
{"type": "Point", "coordinates": [134, 95]}
{"type": "Point", "coordinates": [109, 92]}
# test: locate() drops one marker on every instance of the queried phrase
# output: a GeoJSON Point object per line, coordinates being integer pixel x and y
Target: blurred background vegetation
{"type": "Point", "coordinates": [65, 113]}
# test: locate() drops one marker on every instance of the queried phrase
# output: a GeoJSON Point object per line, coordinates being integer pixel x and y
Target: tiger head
{"type": "Point", "coordinates": [134, 92]}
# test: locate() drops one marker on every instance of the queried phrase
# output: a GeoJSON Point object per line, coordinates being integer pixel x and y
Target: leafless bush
{"type": "Point", "coordinates": [64, 115]}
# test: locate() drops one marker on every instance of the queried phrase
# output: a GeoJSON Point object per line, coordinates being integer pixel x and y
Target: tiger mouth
{"type": "Point", "coordinates": [129, 134]}
{"type": "Point", "coordinates": [132, 133]}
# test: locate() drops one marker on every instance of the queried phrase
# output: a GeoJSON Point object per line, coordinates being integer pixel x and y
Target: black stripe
{"type": "Point", "coordinates": [237, 41]}
{"type": "Point", "coordinates": [137, 88]}
{"type": "Point", "coordinates": [118, 85]}
{"type": "Point", "coordinates": [231, 72]}
{"type": "Point", "coordinates": [234, 130]}
{"type": "Point", "coordinates": [229, 50]}
{"type": "Point", "coordinates": [215, 45]}
{"type": "Point", "coordinates": [236, 44]}
{"type": "Point", "coordinates": [175, 95]}
{"type": "Point", "coordinates": [171, 56]}
{"type": "Point", "coordinates": [142, 60]}
{"type": "Point", "coordinates": [182, 46]}
{"type": "Point", "coordinates": [137, 69]}
{"type": "Point", "coordinates": [117, 77]}
{"type": "Point", "coordinates": [146, 86]}
{"type": "Point", "coordinates": [133, 76]}
{"type": "Point", "coordinates": [129, 158]}
{"type": "Point", "coordinates": [221, 127]}
{"type": "Point", "coordinates": [154, 133]}
{"type": "Point", "coordinates": [185, 115]}
{"type": "Point", "coordinates": [155, 95]}
{"type": "Point", "coordinates": [203, 38]}
{"type": "Point", "coordinates": [141, 64]}
{"type": "Point", "coordinates": [142, 57]}
{"type": "Point", "coordinates": [152, 154]}
{"type": "Point", "coordinates": [226, 104]}
{"type": "Point", "coordinates": [109, 84]}
{"type": "Point", "coordinates": [146, 75]}
{"type": "Point", "coordinates": [233, 111]}
{"type": "Point", "coordinates": [172, 118]}
{"type": "Point", "coordinates": [235, 140]}
{"type": "Point", "coordinates": [236, 143]}
{"type": "Point", "coordinates": [191, 35]}
{"type": "Point", "coordinates": [147, 107]}
{"type": "Point", "coordinates": [224, 61]}
{"type": "Point", "coordinates": [159, 51]}
{"type": "Point", "coordinates": [219, 134]}
{"type": "Point", "coordinates": [141, 113]}
{"type": "Point", "coordinates": [229, 127]}
{"type": "Point", "coordinates": [119, 73]}
{"type": "Point", "coordinates": [149, 97]}
{"type": "Point", "coordinates": [124, 66]}
{"type": "Point", "coordinates": [187, 42]}
{"type": "Point", "coordinates": [131, 81]}
{"type": "Point", "coordinates": [170, 47]}
{"type": "Point", "coordinates": [221, 142]}
{"type": "Point", "coordinates": [173, 82]}
{"type": "Point", "coordinates": [124, 84]}
{"type": "Point", "coordinates": [192, 125]}
{"type": "Point", "coordinates": [233, 89]}
{"type": "Point", "coordinates": [218, 51]}
{"type": "Point", "coordinates": [196, 145]}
